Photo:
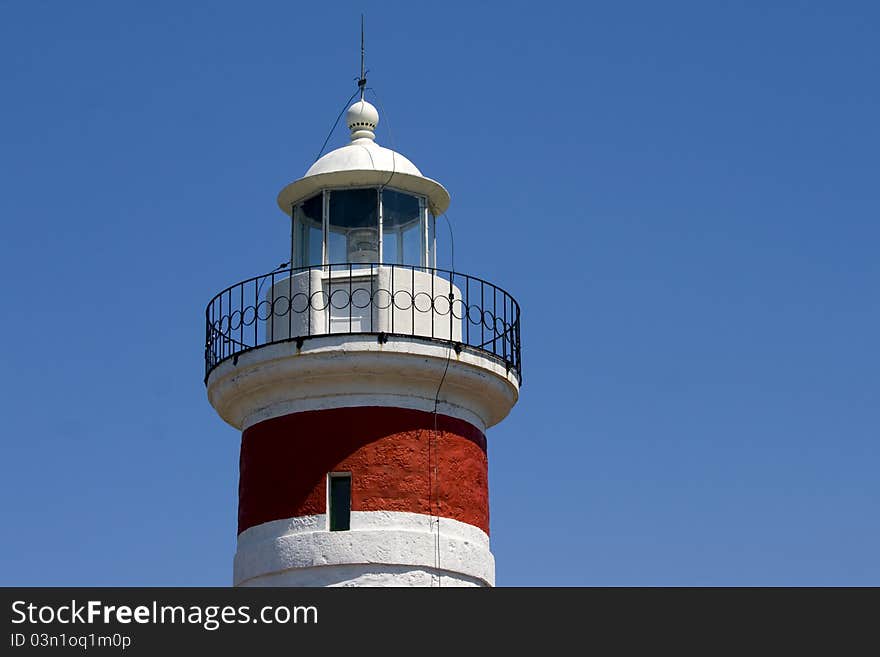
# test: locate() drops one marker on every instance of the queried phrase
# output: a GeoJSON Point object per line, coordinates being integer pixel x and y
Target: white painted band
{"type": "Point", "coordinates": [355, 370]}
{"type": "Point", "coordinates": [347, 400]}
{"type": "Point", "coordinates": [390, 547]}
{"type": "Point", "coordinates": [386, 575]}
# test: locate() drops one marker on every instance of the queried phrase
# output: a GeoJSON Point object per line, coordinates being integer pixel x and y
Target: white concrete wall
{"type": "Point", "coordinates": [382, 548]}
{"type": "Point", "coordinates": [342, 370]}
{"type": "Point", "coordinates": [366, 575]}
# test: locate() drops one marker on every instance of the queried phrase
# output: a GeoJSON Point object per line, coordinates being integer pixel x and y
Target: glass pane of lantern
{"type": "Point", "coordinates": [412, 244]}
{"type": "Point", "coordinates": [401, 220]}
{"type": "Point", "coordinates": [354, 222]}
{"type": "Point", "coordinates": [307, 228]}
{"type": "Point", "coordinates": [390, 243]}
{"type": "Point", "coordinates": [336, 247]}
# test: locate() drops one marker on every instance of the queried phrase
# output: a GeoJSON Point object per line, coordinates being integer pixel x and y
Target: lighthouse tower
{"type": "Point", "coordinates": [363, 380]}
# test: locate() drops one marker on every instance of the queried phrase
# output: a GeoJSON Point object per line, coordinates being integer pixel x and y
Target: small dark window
{"type": "Point", "coordinates": [340, 502]}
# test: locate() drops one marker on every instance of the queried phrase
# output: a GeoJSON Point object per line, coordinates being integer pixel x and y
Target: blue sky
{"type": "Point", "coordinates": [684, 197]}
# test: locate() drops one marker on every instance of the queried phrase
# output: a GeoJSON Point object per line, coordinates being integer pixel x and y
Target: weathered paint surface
{"type": "Point", "coordinates": [382, 548]}
{"type": "Point", "coordinates": [340, 370]}
{"type": "Point", "coordinates": [398, 463]}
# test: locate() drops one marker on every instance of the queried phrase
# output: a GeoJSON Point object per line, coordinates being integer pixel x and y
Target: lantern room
{"type": "Point", "coordinates": [363, 204]}
{"type": "Point", "coordinates": [365, 225]}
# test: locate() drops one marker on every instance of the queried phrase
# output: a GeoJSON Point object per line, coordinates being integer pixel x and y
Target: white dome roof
{"type": "Point", "coordinates": [363, 162]}
{"type": "Point", "coordinates": [363, 155]}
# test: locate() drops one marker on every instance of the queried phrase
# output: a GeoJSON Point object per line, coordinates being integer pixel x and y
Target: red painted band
{"type": "Point", "coordinates": [285, 461]}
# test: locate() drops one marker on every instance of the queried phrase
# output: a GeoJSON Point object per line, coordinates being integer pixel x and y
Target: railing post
{"type": "Point", "coordinates": [494, 318]}
{"type": "Point", "coordinates": [467, 308]}
{"type": "Point", "coordinates": [208, 341]}
{"type": "Point", "coordinates": [451, 297]}
{"type": "Point", "coordinates": [220, 326]}
{"type": "Point", "coordinates": [482, 311]}
{"type": "Point", "coordinates": [271, 320]}
{"type": "Point", "coordinates": [240, 310]}
{"type": "Point", "coordinates": [506, 329]}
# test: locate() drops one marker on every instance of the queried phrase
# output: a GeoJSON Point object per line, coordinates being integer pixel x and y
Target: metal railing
{"type": "Point", "coordinates": [382, 300]}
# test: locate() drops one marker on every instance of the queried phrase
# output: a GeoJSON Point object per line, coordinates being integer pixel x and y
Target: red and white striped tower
{"type": "Point", "coordinates": [363, 380]}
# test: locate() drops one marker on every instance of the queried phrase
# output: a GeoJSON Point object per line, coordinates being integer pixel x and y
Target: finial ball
{"type": "Point", "coordinates": [362, 119]}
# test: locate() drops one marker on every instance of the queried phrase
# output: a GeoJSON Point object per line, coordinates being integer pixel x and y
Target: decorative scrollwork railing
{"type": "Point", "coordinates": [383, 300]}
